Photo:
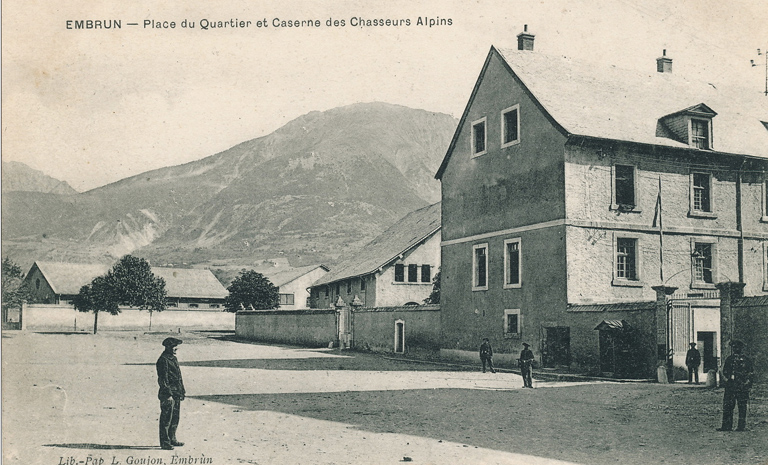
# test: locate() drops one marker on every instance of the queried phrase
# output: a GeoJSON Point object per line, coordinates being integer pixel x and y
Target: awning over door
{"type": "Point", "coordinates": [612, 325]}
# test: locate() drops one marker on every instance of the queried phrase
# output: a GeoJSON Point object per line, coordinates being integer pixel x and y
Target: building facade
{"type": "Point", "coordinates": [574, 196]}
{"type": "Point", "coordinates": [395, 269]}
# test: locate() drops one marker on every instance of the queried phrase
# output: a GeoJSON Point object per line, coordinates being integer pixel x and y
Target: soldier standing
{"type": "Point", "coordinates": [738, 371]}
{"type": "Point", "coordinates": [171, 393]}
{"type": "Point", "coordinates": [525, 361]}
{"type": "Point", "coordinates": [692, 362]}
{"type": "Point", "coordinates": [486, 355]}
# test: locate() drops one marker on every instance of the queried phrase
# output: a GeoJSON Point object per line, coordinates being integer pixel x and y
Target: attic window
{"type": "Point", "coordinates": [510, 126]}
{"type": "Point", "coordinates": [700, 134]}
{"type": "Point", "coordinates": [479, 137]}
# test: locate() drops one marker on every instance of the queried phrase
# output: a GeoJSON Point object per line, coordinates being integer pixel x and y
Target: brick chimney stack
{"type": "Point", "coordinates": [664, 63]}
{"type": "Point", "coordinates": [525, 39]}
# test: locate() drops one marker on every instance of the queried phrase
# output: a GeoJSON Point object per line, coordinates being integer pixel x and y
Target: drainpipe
{"type": "Point", "coordinates": [739, 226]}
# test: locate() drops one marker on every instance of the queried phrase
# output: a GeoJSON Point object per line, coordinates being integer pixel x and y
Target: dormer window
{"type": "Point", "coordinates": [692, 126]}
{"type": "Point", "coordinates": [700, 133]}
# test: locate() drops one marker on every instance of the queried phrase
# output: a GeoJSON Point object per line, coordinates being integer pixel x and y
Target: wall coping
{"type": "Point", "coordinates": [419, 308]}
{"type": "Point", "coordinates": [306, 311]}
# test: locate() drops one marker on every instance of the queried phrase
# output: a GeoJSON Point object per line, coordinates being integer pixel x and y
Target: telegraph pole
{"type": "Point", "coordinates": [764, 54]}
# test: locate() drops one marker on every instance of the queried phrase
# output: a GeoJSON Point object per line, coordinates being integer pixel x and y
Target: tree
{"type": "Point", "coordinates": [14, 290]}
{"type": "Point", "coordinates": [130, 282]}
{"type": "Point", "coordinates": [97, 296]}
{"type": "Point", "coordinates": [434, 296]}
{"type": "Point", "coordinates": [251, 288]}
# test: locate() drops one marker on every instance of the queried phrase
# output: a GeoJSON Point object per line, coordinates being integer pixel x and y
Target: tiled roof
{"type": "Point", "coordinates": [410, 231]}
{"type": "Point", "coordinates": [283, 277]}
{"type": "Point", "coordinates": [607, 102]}
{"type": "Point", "coordinates": [68, 278]}
{"type": "Point", "coordinates": [756, 301]}
{"type": "Point", "coordinates": [194, 283]}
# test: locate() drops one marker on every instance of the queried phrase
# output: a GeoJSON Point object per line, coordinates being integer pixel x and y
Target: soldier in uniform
{"type": "Point", "coordinates": [525, 361]}
{"type": "Point", "coordinates": [692, 362]}
{"type": "Point", "coordinates": [171, 393]}
{"type": "Point", "coordinates": [486, 355]}
{"type": "Point", "coordinates": [738, 371]}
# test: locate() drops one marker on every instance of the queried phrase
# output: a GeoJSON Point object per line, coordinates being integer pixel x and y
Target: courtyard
{"type": "Point", "coordinates": [84, 399]}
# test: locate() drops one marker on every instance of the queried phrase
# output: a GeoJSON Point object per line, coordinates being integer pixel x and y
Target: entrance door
{"type": "Point", "coordinates": [607, 351]}
{"type": "Point", "coordinates": [557, 347]}
{"type": "Point", "coordinates": [708, 345]}
{"type": "Point", "coordinates": [399, 336]}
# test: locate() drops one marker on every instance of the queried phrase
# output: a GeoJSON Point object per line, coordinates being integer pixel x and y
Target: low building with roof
{"type": "Point", "coordinates": [590, 211]}
{"type": "Point", "coordinates": [186, 289]}
{"type": "Point", "coordinates": [293, 285]}
{"type": "Point", "coordinates": [395, 269]}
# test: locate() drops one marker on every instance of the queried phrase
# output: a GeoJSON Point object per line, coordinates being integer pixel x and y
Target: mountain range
{"type": "Point", "coordinates": [316, 189]}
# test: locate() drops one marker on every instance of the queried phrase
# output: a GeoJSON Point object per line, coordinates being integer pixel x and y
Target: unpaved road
{"type": "Point", "coordinates": [91, 399]}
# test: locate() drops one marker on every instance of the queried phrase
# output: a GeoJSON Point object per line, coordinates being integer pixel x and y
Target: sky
{"type": "Point", "coordinates": [94, 106]}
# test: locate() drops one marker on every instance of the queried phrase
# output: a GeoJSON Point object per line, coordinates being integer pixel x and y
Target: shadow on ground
{"type": "Point", "coordinates": [596, 424]}
{"type": "Point", "coordinates": [356, 362]}
{"type": "Point", "coordinates": [101, 446]}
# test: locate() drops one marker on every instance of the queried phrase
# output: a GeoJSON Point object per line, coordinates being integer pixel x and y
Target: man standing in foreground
{"type": "Point", "coordinates": [171, 393]}
{"type": "Point", "coordinates": [525, 361]}
{"type": "Point", "coordinates": [692, 362]}
{"type": "Point", "coordinates": [737, 371]}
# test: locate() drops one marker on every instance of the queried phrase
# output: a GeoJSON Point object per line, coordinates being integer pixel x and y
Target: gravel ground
{"type": "Point", "coordinates": [83, 399]}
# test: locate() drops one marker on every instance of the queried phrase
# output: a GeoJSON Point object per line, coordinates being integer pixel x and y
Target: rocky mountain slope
{"type": "Point", "coordinates": [19, 177]}
{"type": "Point", "coordinates": [324, 184]}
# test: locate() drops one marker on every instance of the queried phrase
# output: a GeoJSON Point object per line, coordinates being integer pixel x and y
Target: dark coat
{"type": "Point", "coordinates": [485, 350]}
{"type": "Point", "coordinates": [692, 358]}
{"type": "Point", "coordinates": [169, 377]}
{"type": "Point", "coordinates": [738, 371]}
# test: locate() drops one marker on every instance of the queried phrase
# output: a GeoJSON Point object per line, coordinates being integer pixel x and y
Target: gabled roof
{"type": "Point", "coordinates": [411, 231]}
{"type": "Point", "coordinates": [68, 278]}
{"type": "Point", "coordinates": [283, 277]}
{"type": "Point", "coordinates": [586, 99]}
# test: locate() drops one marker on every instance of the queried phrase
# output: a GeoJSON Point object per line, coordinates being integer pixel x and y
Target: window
{"type": "Point", "coordinates": [193, 306]}
{"type": "Point", "coordinates": [286, 299]}
{"type": "Point", "coordinates": [478, 137]}
{"type": "Point", "coordinates": [338, 288]}
{"type": "Point", "coordinates": [700, 133]}
{"type": "Point", "coordinates": [327, 290]}
{"type": "Point", "coordinates": [512, 322]}
{"type": "Point", "coordinates": [37, 284]}
{"type": "Point", "coordinates": [399, 273]}
{"type": "Point", "coordinates": [765, 201]}
{"type": "Point", "coordinates": [413, 273]}
{"type": "Point", "coordinates": [512, 266]}
{"type": "Point", "coordinates": [510, 126]}
{"type": "Point", "coordinates": [362, 284]}
{"type": "Point", "coordinates": [623, 187]}
{"type": "Point", "coordinates": [215, 306]}
{"type": "Point", "coordinates": [426, 274]}
{"type": "Point", "coordinates": [703, 263]}
{"type": "Point", "coordinates": [172, 304]}
{"type": "Point", "coordinates": [701, 193]}
{"type": "Point", "coordinates": [480, 267]}
{"type": "Point", "coordinates": [626, 258]}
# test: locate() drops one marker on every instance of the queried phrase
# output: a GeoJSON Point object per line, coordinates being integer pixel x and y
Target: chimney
{"type": "Point", "coordinates": [525, 39]}
{"type": "Point", "coordinates": [664, 63]}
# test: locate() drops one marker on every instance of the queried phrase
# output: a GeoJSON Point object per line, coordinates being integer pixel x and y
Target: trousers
{"type": "Point", "coordinates": [693, 371]}
{"type": "Point", "coordinates": [731, 398]}
{"type": "Point", "coordinates": [169, 420]}
{"type": "Point", "coordinates": [489, 361]}
{"type": "Point", "coordinates": [525, 371]}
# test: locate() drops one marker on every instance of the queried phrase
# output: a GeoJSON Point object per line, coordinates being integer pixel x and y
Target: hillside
{"type": "Point", "coordinates": [322, 185]}
{"type": "Point", "coordinates": [19, 177]}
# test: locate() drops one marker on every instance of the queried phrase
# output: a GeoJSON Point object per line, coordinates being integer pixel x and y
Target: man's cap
{"type": "Point", "coordinates": [485, 338]}
{"type": "Point", "coordinates": [737, 343]}
{"type": "Point", "coordinates": [171, 342]}
{"type": "Point", "coordinates": [526, 344]}
{"type": "Point", "coordinates": [692, 344]}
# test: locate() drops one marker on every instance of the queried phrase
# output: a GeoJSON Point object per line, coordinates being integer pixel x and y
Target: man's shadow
{"type": "Point", "coordinates": [101, 446]}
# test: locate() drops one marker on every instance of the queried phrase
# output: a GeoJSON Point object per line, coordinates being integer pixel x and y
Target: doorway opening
{"type": "Point", "coordinates": [557, 347]}
{"type": "Point", "coordinates": [399, 337]}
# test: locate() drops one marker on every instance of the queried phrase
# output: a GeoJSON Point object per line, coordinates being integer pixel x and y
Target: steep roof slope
{"type": "Point", "coordinates": [412, 230]}
{"type": "Point", "coordinates": [587, 99]}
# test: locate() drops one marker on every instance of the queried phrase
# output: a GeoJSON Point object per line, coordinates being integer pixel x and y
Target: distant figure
{"type": "Point", "coordinates": [486, 355]}
{"type": "Point", "coordinates": [525, 361]}
{"type": "Point", "coordinates": [738, 372]}
{"type": "Point", "coordinates": [171, 393]}
{"type": "Point", "coordinates": [692, 361]}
